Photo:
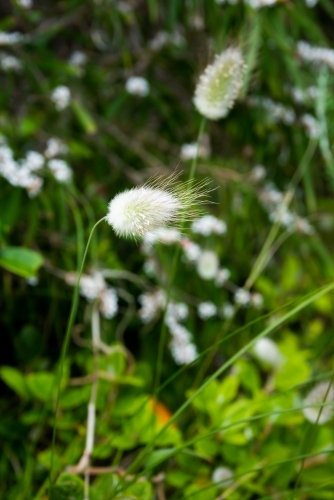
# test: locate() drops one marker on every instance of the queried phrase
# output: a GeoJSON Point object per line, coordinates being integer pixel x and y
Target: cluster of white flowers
{"type": "Point", "coordinates": [12, 38]}
{"type": "Point", "coordinates": [267, 351]}
{"type": "Point", "coordinates": [193, 150]}
{"type": "Point", "coordinates": [61, 97]}
{"type": "Point", "coordinates": [207, 225]}
{"type": "Point", "coordinates": [137, 85]}
{"type": "Point", "coordinates": [163, 38]}
{"type": "Point", "coordinates": [273, 201]}
{"type": "Point", "coordinates": [220, 84]}
{"type": "Point", "coordinates": [93, 287]}
{"type": "Point", "coordinates": [22, 173]}
{"type": "Point", "coordinates": [10, 63]}
{"type": "Point", "coordinates": [302, 96]}
{"type": "Point", "coordinates": [315, 55]}
{"type": "Point", "coordinates": [182, 348]}
{"type": "Point", "coordinates": [276, 112]}
{"type": "Point", "coordinates": [322, 393]}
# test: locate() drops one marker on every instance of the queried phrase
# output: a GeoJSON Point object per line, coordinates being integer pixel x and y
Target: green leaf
{"type": "Point", "coordinates": [15, 380]}
{"type": "Point", "coordinates": [85, 119]}
{"type": "Point", "coordinates": [41, 385]}
{"type": "Point", "coordinates": [159, 456]}
{"type": "Point", "coordinates": [21, 261]}
{"type": "Point", "coordinates": [68, 487]}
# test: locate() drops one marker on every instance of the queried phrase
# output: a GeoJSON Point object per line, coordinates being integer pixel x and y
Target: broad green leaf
{"type": "Point", "coordinates": [41, 385]}
{"type": "Point", "coordinates": [15, 380]}
{"type": "Point", "coordinates": [21, 261]}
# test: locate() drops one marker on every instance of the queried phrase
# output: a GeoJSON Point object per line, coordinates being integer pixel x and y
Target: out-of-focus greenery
{"type": "Point", "coordinates": [229, 408]}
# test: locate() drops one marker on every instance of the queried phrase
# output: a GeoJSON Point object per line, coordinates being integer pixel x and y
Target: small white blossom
{"type": "Point", "coordinates": [206, 310]}
{"type": "Point", "coordinates": [242, 297]}
{"type": "Point", "coordinates": [25, 4]}
{"type": "Point", "coordinates": [193, 150]}
{"type": "Point", "coordinates": [311, 125]}
{"type": "Point", "coordinates": [12, 38]}
{"type": "Point", "coordinates": [191, 250]}
{"type": "Point", "coordinates": [257, 300]}
{"type": "Point", "coordinates": [10, 63]}
{"type": "Point", "coordinates": [276, 112]}
{"type": "Point", "coordinates": [208, 224]}
{"type": "Point", "coordinates": [55, 147]}
{"type": "Point", "coordinates": [137, 85]}
{"type": "Point", "coordinates": [61, 97]}
{"type": "Point", "coordinates": [227, 310]}
{"type": "Point", "coordinates": [219, 85]}
{"type": "Point", "coordinates": [60, 170]}
{"type": "Point", "coordinates": [207, 265]}
{"type": "Point", "coordinates": [34, 186]}
{"type": "Point", "coordinates": [258, 173]}
{"type": "Point", "coordinates": [152, 303]}
{"type": "Point", "coordinates": [320, 394]}
{"type": "Point", "coordinates": [222, 276]}
{"type": "Point", "coordinates": [267, 351]}
{"type": "Point", "coordinates": [78, 58]}
{"type": "Point", "coordinates": [223, 477]}
{"type": "Point", "coordinates": [34, 161]}
{"type": "Point", "coordinates": [109, 303]}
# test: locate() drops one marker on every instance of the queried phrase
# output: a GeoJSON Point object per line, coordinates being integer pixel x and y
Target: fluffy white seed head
{"type": "Point", "coordinates": [220, 84]}
{"type": "Point", "coordinates": [157, 204]}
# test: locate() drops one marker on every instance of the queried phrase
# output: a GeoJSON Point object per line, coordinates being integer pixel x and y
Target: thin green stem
{"type": "Point", "coordinates": [74, 307]}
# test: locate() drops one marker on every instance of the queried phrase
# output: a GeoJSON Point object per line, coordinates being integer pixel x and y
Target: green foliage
{"type": "Point", "coordinates": [164, 427]}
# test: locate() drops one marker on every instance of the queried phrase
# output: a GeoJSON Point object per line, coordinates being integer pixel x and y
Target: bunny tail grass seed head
{"type": "Point", "coordinates": [158, 203]}
{"type": "Point", "coordinates": [220, 84]}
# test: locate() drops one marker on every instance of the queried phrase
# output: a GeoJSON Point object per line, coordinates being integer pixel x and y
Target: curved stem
{"type": "Point", "coordinates": [74, 307]}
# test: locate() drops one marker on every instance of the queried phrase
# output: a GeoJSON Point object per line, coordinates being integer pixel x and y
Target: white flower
{"type": "Point", "coordinates": [35, 185]}
{"type": "Point", "coordinates": [10, 63]}
{"type": "Point", "coordinates": [108, 303]}
{"type": "Point", "coordinates": [219, 85]}
{"type": "Point", "coordinates": [151, 304]}
{"type": "Point", "coordinates": [78, 58]}
{"type": "Point", "coordinates": [137, 85]}
{"type": "Point", "coordinates": [34, 161]}
{"type": "Point", "coordinates": [207, 265]}
{"type": "Point", "coordinates": [55, 147]}
{"type": "Point", "coordinates": [311, 125]}
{"type": "Point", "coordinates": [206, 310]}
{"type": "Point", "coordinates": [166, 235]}
{"type": "Point", "coordinates": [311, 3]}
{"type": "Point", "coordinates": [267, 351]}
{"type": "Point", "coordinates": [208, 224]}
{"type": "Point", "coordinates": [223, 477]}
{"type": "Point", "coordinates": [193, 150]}
{"type": "Point", "coordinates": [160, 202]}
{"type": "Point", "coordinates": [242, 297]}
{"type": "Point", "coordinates": [257, 300]}
{"type": "Point", "coordinates": [257, 4]}
{"type": "Point", "coordinates": [258, 173]}
{"type": "Point", "coordinates": [227, 310]}
{"type": "Point", "coordinates": [318, 396]}
{"type": "Point", "coordinates": [60, 170]}
{"type": "Point", "coordinates": [191, 250]}
{"type": "Point", "coordinates": [61, 97]}
{"type": "Point", "coordinates": [25, 4]}
{"type": "Point", "coordinates": [222, 276]}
